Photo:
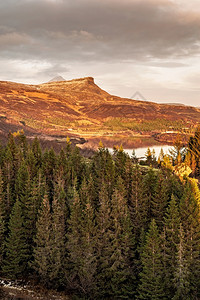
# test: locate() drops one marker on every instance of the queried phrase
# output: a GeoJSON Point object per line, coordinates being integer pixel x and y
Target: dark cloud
{"type": "Point", "coordinates": [94, 30]}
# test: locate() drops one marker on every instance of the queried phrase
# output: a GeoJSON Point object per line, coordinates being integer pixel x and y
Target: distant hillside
{"type": "Point", "coordinates": [80, 108]}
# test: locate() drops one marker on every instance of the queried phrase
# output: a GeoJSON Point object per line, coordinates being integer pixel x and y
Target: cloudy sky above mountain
{"type": "Point", "coordinates": [150, 46]}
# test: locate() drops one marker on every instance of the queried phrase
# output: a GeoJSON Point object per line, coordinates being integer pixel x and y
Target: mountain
{"type": "Point", "coordinates": [80, 108]}
{"type": "Point", "coordinates": [57, 78]}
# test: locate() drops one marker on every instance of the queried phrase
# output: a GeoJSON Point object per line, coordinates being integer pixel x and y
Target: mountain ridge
{"type": "Point", "coordinates": [81, 108]}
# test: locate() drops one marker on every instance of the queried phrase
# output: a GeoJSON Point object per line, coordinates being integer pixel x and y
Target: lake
{"type": "Point", "coordinates": [140, 152]}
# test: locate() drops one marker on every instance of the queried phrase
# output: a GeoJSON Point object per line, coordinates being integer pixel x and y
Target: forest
{"type": "Point", "coordinates": [105, 227]}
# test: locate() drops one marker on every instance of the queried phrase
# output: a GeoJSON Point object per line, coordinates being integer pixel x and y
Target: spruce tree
{"type": "Point", "coordinates": [43, 242]}
{"type": "Point", "coordinates": [190, 215]}
{"type": "Point", "coordinates": [159, 201]}
{"type": "Point", "coordinates": [2, 220]}
{"type": "Point", "coordinates": [119, 260]}
{"type": "Point", "coordinates": [170, 245]}
{"type": "Point", "coordinates": [58, 238]}
{"type": "Point", "coordinates": [137, 202]}
{"type": "Point", "coordinates": [149, 191]}
{"type": "Point", "coordinates": [151, 277]}
{"type": "Point", "coordinates": [81, 260]}
{"type": "Point", "coordinates": [15, 262]}
{"type": "Point", "coordinates": [103, 170]}
{"type": "Point", "coordinates": [181, 272]}
{"type": "Point", "coordinates": [103, 235]}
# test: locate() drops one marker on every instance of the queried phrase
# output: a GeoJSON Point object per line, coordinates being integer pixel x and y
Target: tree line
{"type": "Point", "coordinates": [98, 228]}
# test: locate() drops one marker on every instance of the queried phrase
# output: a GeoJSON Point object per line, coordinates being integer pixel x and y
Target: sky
{"type": "Point", "coordinates": [150, 46]}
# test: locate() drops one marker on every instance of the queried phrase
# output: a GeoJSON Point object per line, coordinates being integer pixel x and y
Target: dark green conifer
{"type": "Point", "coordinates": [170, 245]}
{"type": "Point", "coordinates": [159, 201]}
{"type": "Point", "coordinates": [181, 272]}
{"type": "Point", "coordinates": [103, 170]}
{"type": "Point", "coordinates": [2, 220]}
{"type": "Point", "coordinates": [81, 262]}
{"type": "Point", "coordinates": [43, 242]}
{"type": "Point", "coordinates": [58, 238]}
{"type": "Point", "coordinates": [15, 262]}
{"type": "Point", "coordinates": [37, 153]}
{"type": "Point", "coordinates": [190, 216]}
{"type": "Point", "coordinates": [151, 282]}
{"type": "Point", "coordinates": [119, 259]}
{"type": "Point", "coordinates": [137, 202]}
{"type": "Point", "coordinates": [149, 191]}
{"type": "Point", "coordinates": [103, 235]}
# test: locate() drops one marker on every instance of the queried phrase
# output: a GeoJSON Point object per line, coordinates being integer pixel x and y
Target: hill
{"type": "Point", "coordinates": [79, 108]}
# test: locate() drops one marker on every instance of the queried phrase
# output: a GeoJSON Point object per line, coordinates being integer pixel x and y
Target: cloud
{"type": "Point", "coordinates": [107, 38]}
{"type": "Point", "coordinates": [15, 39]}
{"type": "Point", "coordinates": [109, 29]}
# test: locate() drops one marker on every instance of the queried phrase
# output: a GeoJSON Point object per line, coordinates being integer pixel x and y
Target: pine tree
{"type": "Point", "coordinates": [103, 235]}
{"type": "Point", "coordinates": [119, 260]}
{"type": "Point", "coordinates": [181, 272]}
{"type": "Point", "coordinates": [170, 245]}
{"type": "Point", "coordinates": [49, 164]}
{"type": "Point", "coordinates": [58, 238]}
{"type": "Point", "coordinates": [81, 261]}
{"type": "Point", "coordinates": [149, 191]}
{"type": "Point", "coordinates": [159, 201]}
{"type": "Point", "coordinates": [151, 283]}
{"type": "Point", "coordinates": [120, 158]}
{"type": "Point", "coordinates": [103, 170]}
{"type": "Point", "coordinates": [137, 202]}
{"type": "Point", "coordinates": [37, 153]}
{"type": "Point", "coordinates": [30, 212]}
{"type": "Point", "coordinates": [15, 262]}
{"type": "Point", "coordinates": [2, 220]}
{"type": "Point", "coordinates": [190, 216]}
{"type": "Point", "coordinates": [43, 242]}
{"type": "Point", "coordinates": [22, 185]}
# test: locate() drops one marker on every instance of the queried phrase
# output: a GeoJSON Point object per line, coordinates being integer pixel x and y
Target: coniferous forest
{"type": "Point", "coordinates": [103, 227]}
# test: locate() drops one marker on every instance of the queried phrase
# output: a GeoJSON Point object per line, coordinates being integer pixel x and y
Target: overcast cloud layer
{"type": "Point", "coordinates": [151, 46]}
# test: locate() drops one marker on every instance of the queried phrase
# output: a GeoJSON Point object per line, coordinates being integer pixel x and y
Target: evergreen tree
{"type": "Point", "coordinates": [22, 185]}
{"type": "Point", "coordinates": [170, 245]}
{"type": "Point", "coordinates": [103, 235]}
{"type": "Point", "coordinates": [181, 272]}
{"type": "Point", "coordinates": [120, 158]}
{"type": "Point", "coordinates": [159, 201]}
{"type": "Point", "coordinates": [119, 259]}
{"type": "Point", "coordinates": [30, 211]}
{"type": "Point", "coordinates": [81, 261]}
{"type": "Point", "coordinates": [49, 163]}
{"type": "Point", "coordinates": [37, 153]}
{"type": "Point", "coordinates": [151, 284]}
{"type": "Point", "coordinates": [103, 170]}
{"type": "Point", "coordinates": [190, 216]}
{"type": "Point", "coordinates": [43, 242]}
{"type": "Point", "coordinates": [15, 262]}
{"type": "Point", "coordinates": [149, 191]}
{"type": "Point", "coordinates": [58, 238]}
{"type": "Point", "coordinates": [2, 220]}
{"type": "Point", "coordinates": [137, 202]}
